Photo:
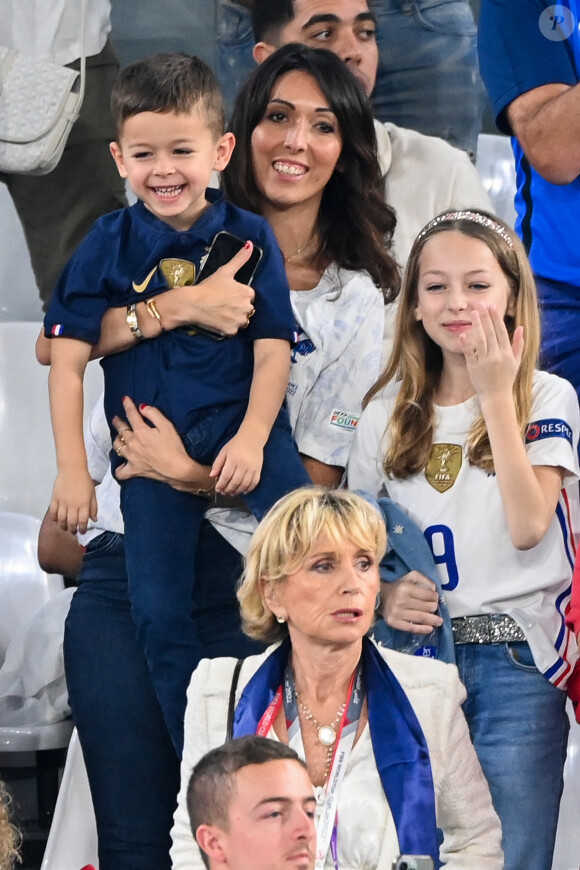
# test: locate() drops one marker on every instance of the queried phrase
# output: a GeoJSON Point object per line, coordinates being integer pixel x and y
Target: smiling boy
{"type": "Point", "coordinates": [224, 397]}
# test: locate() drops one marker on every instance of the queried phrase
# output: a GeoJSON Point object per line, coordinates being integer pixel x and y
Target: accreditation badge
{"type": "Point", "coordinates": [443, 466]}
{"type": "Point", "coordinates": [178, 273]}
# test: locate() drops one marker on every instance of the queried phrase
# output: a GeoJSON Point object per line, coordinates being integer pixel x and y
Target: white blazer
{"type": "Point", "coordinates": [471, 828]}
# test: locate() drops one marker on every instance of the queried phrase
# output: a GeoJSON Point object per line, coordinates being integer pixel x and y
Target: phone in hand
{"type": "Point", "coordinates": [413, 862]}
{"type": "Point", "coordinates": [225, 246]}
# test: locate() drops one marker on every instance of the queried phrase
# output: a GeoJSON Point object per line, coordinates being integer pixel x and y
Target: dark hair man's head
{"type": "Point", "coordinates": [251, 807]}
{"type": "Point", "coordinates": [345, 27]}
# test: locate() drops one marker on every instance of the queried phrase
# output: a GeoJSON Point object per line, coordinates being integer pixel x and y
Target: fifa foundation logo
{"type": "Point", "coordinates": [557, 23]}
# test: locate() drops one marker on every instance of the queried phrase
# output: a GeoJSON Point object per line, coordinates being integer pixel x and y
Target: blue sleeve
{"type": "Point", "coordinates": [514, 54]}
{"type": "Point", "coordinates": [80, 298]}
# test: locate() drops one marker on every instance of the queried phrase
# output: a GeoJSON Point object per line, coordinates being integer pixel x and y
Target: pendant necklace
{"type": "Point", "coordinates": [326, 733]}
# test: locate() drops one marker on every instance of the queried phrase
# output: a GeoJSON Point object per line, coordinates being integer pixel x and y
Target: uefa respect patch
{"type": "Point", "coordinates": [343, 420]}
{"type": "Point", "coordinates": [550, 428]}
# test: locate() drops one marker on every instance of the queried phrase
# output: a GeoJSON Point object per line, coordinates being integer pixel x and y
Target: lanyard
{"type": "Point", "coordinates": [399, 746]}
{"type": "Point", "coordinates": [326, 828]}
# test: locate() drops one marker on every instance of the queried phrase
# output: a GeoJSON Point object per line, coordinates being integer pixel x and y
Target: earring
{"type": "Point", "coordinates": [378, 601]}
{"type": "Point", "coordinates": [280, 619]}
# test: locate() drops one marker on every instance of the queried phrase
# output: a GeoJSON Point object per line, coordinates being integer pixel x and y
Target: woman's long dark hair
{"type": "Point", "coordinates": [355, 225]}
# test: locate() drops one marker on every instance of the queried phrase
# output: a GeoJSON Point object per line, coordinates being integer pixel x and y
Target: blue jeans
{"type": "Point", "coordinates": [132, 766]}
{"type": "Point", "coordinates": [234, 44]}
{"type": "Point", "coordinates": [162, 527]}
{"type": "Point", "coordinates": [560, 313]}
{"type": "Point", "coordinates": [519, 727]}
{"type": "Point", "coordinates": [428, 77]}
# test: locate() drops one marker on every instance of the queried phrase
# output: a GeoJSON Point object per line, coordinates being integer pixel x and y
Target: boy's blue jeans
{"type": "Point", "coordinates": [162, 528]}
{"type": "Point", "coordinates": [131, 763]}
{"type": "Point", "coordinates": [519, 727]}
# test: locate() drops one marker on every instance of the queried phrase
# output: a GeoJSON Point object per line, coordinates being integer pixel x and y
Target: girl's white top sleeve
{"type": "Point", "coordinates": [364, 469]}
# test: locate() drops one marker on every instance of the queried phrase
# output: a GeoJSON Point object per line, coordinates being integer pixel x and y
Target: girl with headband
{"type": "Point", "coordinates": [480, 448]}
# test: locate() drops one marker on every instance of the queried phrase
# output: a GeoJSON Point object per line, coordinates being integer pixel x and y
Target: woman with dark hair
{"type": "Point", "coordinates": [304, 129]}
{"type": "Point", "coordinates": [352, 225]}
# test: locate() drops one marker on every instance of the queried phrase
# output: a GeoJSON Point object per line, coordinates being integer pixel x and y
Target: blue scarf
{"type": "Point", "coordinates": [399, 745]}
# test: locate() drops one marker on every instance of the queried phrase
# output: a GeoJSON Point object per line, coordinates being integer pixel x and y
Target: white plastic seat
{"type": "Point", "coordinates": [496, 167]}
{"type": "Point", "coordinates": [24, 589]}
{"type": "Point", "coordinates": [24, 586]}
{"type": "Point", "coordinates": [27, 466]}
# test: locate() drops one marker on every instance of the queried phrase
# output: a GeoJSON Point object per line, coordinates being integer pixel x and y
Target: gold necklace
{"type": "Point", "coordinates": [306, 245]}
{"type": "Point", "coordinates": [326, 733]}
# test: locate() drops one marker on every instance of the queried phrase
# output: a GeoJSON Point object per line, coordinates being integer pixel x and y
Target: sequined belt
{"type": "Point", "coordinates": [486, 628]}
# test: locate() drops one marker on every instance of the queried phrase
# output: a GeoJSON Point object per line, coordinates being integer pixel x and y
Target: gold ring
{"type": "Point", "coordinates": [126, 429]}
{"type": "Point", "coordinates": [118, 452]}
{"type": "Point", "coordinates": [252, 312]}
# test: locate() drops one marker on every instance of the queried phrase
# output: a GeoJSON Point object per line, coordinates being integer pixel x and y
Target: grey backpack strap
{"type": "Point", "coordinates": [232, 701]}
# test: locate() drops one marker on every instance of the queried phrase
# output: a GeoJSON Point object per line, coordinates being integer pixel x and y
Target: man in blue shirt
{"type": "Point", "coordinates": [530, 62]}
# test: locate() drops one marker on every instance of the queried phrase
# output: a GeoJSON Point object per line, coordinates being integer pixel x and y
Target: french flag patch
{"type": "Point", "coordinates": [57, 329]}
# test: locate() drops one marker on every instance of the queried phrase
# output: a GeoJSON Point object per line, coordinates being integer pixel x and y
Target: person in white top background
{"type": "Point", "coordinates": [480, 449]}
{"type": "Point", "coordinates": [56, 210]}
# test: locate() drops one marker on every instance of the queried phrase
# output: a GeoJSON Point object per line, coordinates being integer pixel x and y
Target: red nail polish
{"type": "Point", "coordinates": [142, 406]}
{"type": "Point", "coordinates": [247, 245]}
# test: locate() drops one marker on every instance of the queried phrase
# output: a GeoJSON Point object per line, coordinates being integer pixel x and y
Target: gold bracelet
{"type": "Point", "coordinates": [132, 322]}
{"type": "Point", "coordinates": [151, 307]}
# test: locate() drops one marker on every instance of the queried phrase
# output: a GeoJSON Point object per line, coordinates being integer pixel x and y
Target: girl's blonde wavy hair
{"type": "Point", "coordinates": [284, 538]}
{"type": "Point", "coordinates": [10, 838]}
{"type": "Point", "coordinates": [416, 361]}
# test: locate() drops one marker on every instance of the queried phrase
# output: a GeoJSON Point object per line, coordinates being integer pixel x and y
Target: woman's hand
{"type": "Point", "coordinates": [492, 360]}
{"type": "Point", "coordinates": [410, 603]}
{"type": "Point", "coordinates": [156, 450]}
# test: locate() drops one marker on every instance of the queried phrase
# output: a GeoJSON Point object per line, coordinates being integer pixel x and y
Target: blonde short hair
{"type": "Point", "coordinates": [284, 538]}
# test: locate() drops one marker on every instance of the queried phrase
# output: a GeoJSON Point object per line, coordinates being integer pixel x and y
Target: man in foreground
{"type": "Point", "coordinates": [251, 807]}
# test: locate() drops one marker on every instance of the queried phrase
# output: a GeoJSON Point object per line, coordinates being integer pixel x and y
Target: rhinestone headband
{"type": "Point", "coordinates": [474, 216]}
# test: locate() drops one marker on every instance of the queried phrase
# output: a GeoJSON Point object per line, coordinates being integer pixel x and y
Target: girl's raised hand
{"type": "Point", "coordinates": [492, 360]}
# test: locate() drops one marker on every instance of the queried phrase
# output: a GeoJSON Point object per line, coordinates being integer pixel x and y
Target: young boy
{"type": "Point", "coordinates": [224, 397]}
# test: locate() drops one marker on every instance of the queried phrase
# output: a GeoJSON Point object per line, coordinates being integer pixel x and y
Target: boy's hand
{"type": "Point", "coordinates": [73, 502]}
{"type": "Point", "coordinates": [237, 466]}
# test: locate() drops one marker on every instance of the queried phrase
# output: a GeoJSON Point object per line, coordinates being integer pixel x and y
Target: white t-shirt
{"type": "Point", "coordinates": [460, 511]}
{"type": "Point", "coordinates": [52, 29]}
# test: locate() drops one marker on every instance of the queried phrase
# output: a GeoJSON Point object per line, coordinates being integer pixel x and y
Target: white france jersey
{"type": "Point", "coordinates": [459, 508]}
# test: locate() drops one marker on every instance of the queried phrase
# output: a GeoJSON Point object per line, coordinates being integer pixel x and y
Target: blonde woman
{"type": "Point", "coordinates": [480, 449]}
{"type": "Point", "coordinates": [382, 734]}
